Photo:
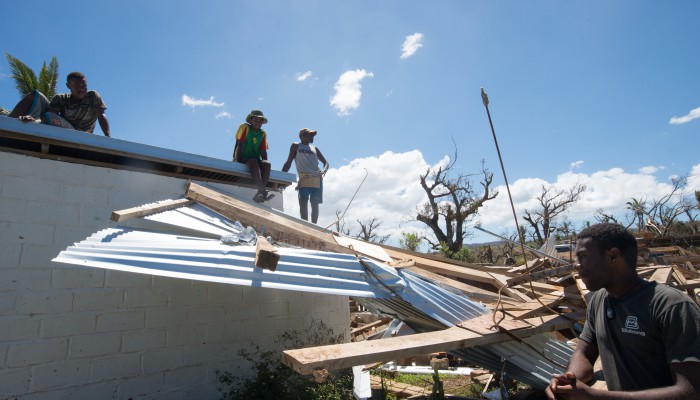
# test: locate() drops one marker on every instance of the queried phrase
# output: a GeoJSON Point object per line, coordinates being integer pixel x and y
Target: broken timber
{"type": "Point", "coordinates": [277, 226]}
{"type": "Point", "coordinates": [135, 212]}
{"type": "Point", "coordinates": [266, 255]}
{"type": "Point", "coordinates": [338, 356]}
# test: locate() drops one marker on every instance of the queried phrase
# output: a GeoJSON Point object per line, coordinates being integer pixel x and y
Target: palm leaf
{"type": "Point", "coordinates": [48, 78]}
{"type": "Point", "coordinates": [25, 79]}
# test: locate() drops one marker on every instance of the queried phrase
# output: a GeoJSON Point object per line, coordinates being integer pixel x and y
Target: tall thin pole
{"type": "Point", "coordinates": [485, 100]}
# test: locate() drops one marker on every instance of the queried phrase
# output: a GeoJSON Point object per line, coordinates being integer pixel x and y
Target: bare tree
{"type": "Point", "coordinates": [663, 214]}
{"type": "Point", "coordinates": [340, 226]}
{"type": "Point", "coordinates": [368, 231]}
{"type": "Point", "coordinates": [553, 203]}
{"type": "Point", "coordinates": [601, 216]}
{"type": "Point", "coordinates": [452, 200]}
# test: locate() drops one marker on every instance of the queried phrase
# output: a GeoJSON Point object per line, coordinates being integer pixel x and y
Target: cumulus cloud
{"type": "Point", "coordinates": [576, 164]}
{"type": "Point", "coordinates": [411, 44]}
{"type": "Point", "coordinates": [391, 192]}
{"type": "Point", "coordinates": [192, 102]}
{"type": "Point", "coordinates": [223, 114]}
{"type": "Point", "coordinates": [301, 77]}
{"type": "Point", "coordinates": [348, 91]}
{"type": "Point", "coordinates": [693, 114]}
{"type": "Point", "coordinates": [649, 169]}
{"type": "Point", "coordinates": [608, 190]}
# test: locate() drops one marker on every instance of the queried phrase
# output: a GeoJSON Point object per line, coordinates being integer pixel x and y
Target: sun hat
{"type": "Point", "coordinates": [256, 113]}
{"type": "Point", "coordinates": [307, 130]}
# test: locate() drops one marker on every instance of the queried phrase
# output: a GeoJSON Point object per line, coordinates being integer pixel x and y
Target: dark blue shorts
{"type": "Point", "coordinates": [313, 194]}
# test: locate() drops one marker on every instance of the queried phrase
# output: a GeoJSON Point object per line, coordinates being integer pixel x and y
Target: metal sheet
{"type": "Point", "coordinates": [421, 304]}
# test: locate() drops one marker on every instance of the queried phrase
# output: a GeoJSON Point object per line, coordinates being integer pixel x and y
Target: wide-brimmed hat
{"type": "Point", "coordinates": [307, 130]}
{"type": "Point", "coordinates": [256, 113]}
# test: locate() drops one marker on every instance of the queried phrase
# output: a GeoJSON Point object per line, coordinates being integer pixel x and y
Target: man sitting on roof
{"type": "Point", "coordinates": [251, 150]}
{"type": "Point", "coordinates": [78, 110]}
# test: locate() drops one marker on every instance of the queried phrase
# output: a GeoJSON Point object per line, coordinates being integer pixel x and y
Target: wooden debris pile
{"type": "Point", "coordinates": [542, 296]}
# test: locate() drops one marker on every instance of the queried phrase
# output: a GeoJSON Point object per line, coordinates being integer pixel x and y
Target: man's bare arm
{"type": "Point", "coordinates": [104, 124]}
{"type": "Point", "coordinates": [290, 158]}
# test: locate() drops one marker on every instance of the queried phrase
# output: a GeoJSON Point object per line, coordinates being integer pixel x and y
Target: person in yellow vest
{"type": "Point", "coordinates": [310, 185]}
{"type": "Point", "coordinates": [251, 150]}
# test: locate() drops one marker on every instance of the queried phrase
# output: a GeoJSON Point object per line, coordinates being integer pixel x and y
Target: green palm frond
{"type": "Point", "coordinates": [25, 79]}
{"type": "Point", "coordinates": [48, 78]}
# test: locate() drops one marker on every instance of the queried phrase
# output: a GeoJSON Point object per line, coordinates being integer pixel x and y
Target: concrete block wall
{"type": "Point", "coordinates": [83, 333]}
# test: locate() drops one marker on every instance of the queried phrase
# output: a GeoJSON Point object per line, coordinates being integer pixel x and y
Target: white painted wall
{"type": "Point", "coordinates": [84, 333]}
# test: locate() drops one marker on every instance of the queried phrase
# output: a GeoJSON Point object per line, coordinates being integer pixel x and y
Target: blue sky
{"type": "Point", "coordinates": [601, 92]}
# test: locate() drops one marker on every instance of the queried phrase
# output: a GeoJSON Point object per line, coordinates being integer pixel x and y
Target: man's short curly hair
{"type": "Point", "coordinates": [607, 236]}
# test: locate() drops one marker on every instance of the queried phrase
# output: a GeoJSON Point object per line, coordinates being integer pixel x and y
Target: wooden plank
{"type": "Point", "coordinates": [366, 248]}
{"type": "Point", "coordinates": [423, 258]}
{"type": "Point", "coordinates": [694, 284]}
{"type": "Point", "coordinates": [662, 275]}
{"type": "Point", "coordinates": [266, 255]}
{"type": "Point", "coordinates": [135, 212]}
{"type": "Point", "coordinates": [667, 249]}
{"type": "Point", "coordinates": [540, 275]}
{"type": "Point", "coordinates": [484, 324]}
{"type": "Point", "coordinates": [338, 356]}
{"type": "Point", "coordinates": [253, 215]}
{"type": "Point", "coordinates": [472, 292]}
{"type": "Point", "coordinates": [695, 259]}
{"type": "Point", "coordinates": [443, 268]}
{"type": "Point", "coordinates": [370, 326]}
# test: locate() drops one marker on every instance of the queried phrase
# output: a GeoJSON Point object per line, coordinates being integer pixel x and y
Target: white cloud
{"type": "Point", "coordinates": [694, 178]}
{"type": "Point", "coordinates": [392, 192]}
{"type": "Point", "coordinates": [607, 190]}
{"type": "Point", "coordinates": [192, 102]}
{"type": "Point", "coordinates": [348, 91]}
{"type": "Point", "coordinates": [576, 164]}
{"type": "Point", "coordinates": [302, 77]}
{"type": "Point", "coordinates": [411, 45]}
{"type": "Point", "coordinates": [223, 114]}
{"type": "Point", "coordinates": [693, 114]}
{"type": "Point", "coordinates": [650, 169]}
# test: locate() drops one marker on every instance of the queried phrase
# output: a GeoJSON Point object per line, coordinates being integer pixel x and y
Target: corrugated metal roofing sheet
{"type": "Point", "coordinates": [421, 304]}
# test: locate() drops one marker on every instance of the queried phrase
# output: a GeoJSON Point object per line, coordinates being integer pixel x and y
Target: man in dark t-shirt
{"type": "Point", "coordinates": [647, 334]}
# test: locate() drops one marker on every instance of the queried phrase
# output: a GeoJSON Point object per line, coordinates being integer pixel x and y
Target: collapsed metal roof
{"type": "Point", "coordinates": [194, 242]}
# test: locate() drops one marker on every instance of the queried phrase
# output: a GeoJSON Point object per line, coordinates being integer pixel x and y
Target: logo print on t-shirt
{"type": "Point", "coordinates": [631, 322]}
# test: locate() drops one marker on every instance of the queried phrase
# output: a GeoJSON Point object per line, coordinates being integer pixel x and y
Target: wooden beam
{"type": "Point", "coordinates": [399, 253]}
{"type": "Point", "coordinates": [253, 215]}
{"type": "Point", "coordinates": [662, 275]}
{"type": "Point", "coordinates": [338, 356]}
{"type": "Point", "coordinates": [370, 326]}
{"type": "Point", "coordinates": [694, 259]}
{"type": "Point", "coordinates": [135, 212]}
{"type": "Point", "coordinates": [266, 255]}
{"type": "Point", "coordinates": [445, 268]}
{"type": "Point", "coordinates": [540, 275]}
{"type": "Point", "coordinates": [472, 292]}
{"type": "Point", "coordinates": [363, 247]}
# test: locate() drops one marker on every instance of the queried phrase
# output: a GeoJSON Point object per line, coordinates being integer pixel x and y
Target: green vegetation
{"type": "Point", "coordinates": [456, 385]}
{"type": "Point", "coordinates": [273, 380]}
{"type": "Point", "coordinates": [26, 80]}
{"type": "Point", "coordinates": [410, 241]}
{"type": "Point", "coordinates": [464, 254]}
